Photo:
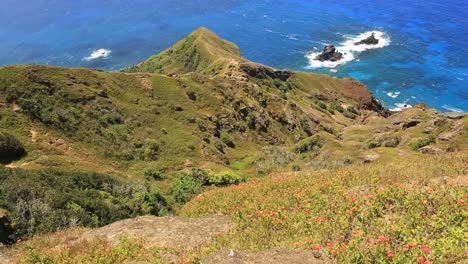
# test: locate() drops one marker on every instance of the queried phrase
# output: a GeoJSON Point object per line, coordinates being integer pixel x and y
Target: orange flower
{"type": "Point", "coordinates": [318, 247]}
{"type": "Point", "coordinates": [390, 254]}
{"type": "Point", "coordinates": [426, 249]}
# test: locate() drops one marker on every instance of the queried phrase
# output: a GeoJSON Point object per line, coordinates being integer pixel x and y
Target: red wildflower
{"type": "Point", "coordinates": [460, 202]}
{"type": "Point", "coordinates": [426, 249]}
{"type": "Point", "coordinates": [420, 259]}
{"type": "Point", "coordinates": [427, 262]}
{"type": "Point", "coordinates": [353, 209]}
{"type": "Point", "coordinates": [329, 245]}
{"type": "Point", "coordinates": [390, 254]}
{"type": "Point", "coordinates": [296, 244]}
{"type": "Point", "coordinates": [307, 241]}
{"type": "Point", "coordinates": [318, 247]}
{"type": "Point", "coordinates": [381, 239]}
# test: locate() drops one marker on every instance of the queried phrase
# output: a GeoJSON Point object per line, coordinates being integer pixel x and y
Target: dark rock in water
{"type": "Point", "coordinates": [330, 53]}
{"type": "Point", "coordinates": [371, 40]}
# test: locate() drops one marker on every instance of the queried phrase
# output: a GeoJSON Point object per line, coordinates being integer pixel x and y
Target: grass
{"type": "Point", "coordinates": [358, 214]}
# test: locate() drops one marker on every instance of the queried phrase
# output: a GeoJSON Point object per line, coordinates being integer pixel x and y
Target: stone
{"type": "Point", "coordinates": [371, 40]}
{"type": "Point", "coordinates": [329, 53]}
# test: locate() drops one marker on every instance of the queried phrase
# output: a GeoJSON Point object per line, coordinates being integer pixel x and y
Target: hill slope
{"type": "Point", "coordinates": [196, 116]}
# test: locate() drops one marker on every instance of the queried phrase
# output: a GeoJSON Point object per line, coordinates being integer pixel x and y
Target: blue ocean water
{"type": "Point", "coordinates": [425, 59]}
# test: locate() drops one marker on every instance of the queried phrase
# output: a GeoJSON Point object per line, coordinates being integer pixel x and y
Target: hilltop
{"type": "Point", "coordinates": [196, 117]}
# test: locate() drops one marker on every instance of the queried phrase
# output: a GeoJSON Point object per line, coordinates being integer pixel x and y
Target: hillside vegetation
{"type": "Point", "coordinates": [89, 147]}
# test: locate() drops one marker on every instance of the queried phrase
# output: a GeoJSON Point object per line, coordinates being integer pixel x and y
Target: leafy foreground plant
{"type": "Point", "coordinates": [378, 213]}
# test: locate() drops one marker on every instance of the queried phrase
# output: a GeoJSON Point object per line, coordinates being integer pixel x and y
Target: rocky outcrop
{"type": "Point", "coordinates": [371, 40]}
{"type": "Point", "coordinates": [329, 53]}
{"type": "Point", "coordinates": [263, 72]}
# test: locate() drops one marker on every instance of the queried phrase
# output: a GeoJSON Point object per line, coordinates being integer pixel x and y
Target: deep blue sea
{"type": "Point", "coordinates": [423, 55]}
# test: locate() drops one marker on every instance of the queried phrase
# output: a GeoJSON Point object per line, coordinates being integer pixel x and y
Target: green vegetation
{"type": "Point", "coordinates": [422, 142]}
{"type": "Point", "coordinates": [184, 188]}
{"type": "Point", "coordinates": [385, 141]}
{"type": "Point", "coordinates": [308, 144]}
{"type": "Point", "coordinates": [224, 178]}
{"type": "Point", "coordinates": [10, 148]}
{"type": "Point", "coordinates": [44, 201]}
{"type": "Point", "coordinates": [358, 214]}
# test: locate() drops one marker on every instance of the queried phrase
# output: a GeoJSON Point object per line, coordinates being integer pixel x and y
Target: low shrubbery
{"type": "Point", "coordinates": [48, 200]}
{"type": "Point", "coordinates": [423, 142]}
{"type": "Point", "coordinates": [308, 144]}
{"type": "Point", "coordinates": [386, 141]}
{"type": "Point", "coordinates": [224, 178]}
{"type": "Point", "coordinates": [184, 188]}
{"type": "Point", "coordinates": [10, 148]}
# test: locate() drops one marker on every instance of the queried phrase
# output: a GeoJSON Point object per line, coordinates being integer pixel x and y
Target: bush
{"type": "Point", "coordinates": [153, 174]}
{"type": "Point", "coordinates": [423, 142]}
{"type": "Point", "coordinates": [308, 144]}
{"type": "Point", "coordinates": [199, 175]}
{"type": "Point", "coordinates": [184, 188]}
{"type": "Point", "coordinates": [388, 142]}
{"type": "Point", "coordinates": [10, 148]}
{"type": "Point", "coordinates": [296, 167]}
{"type": "Point", "coordinates": [321, 104]}
{"type": "Point", "coordinates": [149, 150]}
{"type": "Point", "coordinates": [226, 138]}
{"type": "Point", "coordinates": [48, 200]}
{"type": "Point", "coordinates": [391, 142]}
{"type": "Point", "coordinates": [219, 146]}
{"type": "Point", "coordinates": [224, 178]}
{"type": "Point", "coordinates": [335, 107]}
{"type": "Point", "coordinates": [349, 115]}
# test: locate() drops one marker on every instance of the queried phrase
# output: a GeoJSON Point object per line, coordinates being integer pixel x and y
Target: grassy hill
{"type": "Point", "coordinates": [196, 117]}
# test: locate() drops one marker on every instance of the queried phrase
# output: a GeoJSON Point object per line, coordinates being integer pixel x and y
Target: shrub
{"type": "Point", "coordinates": [391, 142]}
{"type": "Point", "coordinates": [296, 167]}
{"type": "Point", "coordinates": [374, 143]}
{"type": "Point", "coordinates": [224, 178]}
{"type": "Point", "coordinates": [349, 115]}
{"type": "Point", "coordinates": [149, 150]}
{"type": "Point", "coordinates": [48, 200]}
{"type": "Point", "coordinates": [219, 146]}
{"type": "Point", "coordinates": [226, 138]}
{"type": "Point", "coordinates": [306, 127]}
{"type": "Point", "coordinates": [184, 188]}
{"type": "Point", "coordinates": [308, 144]}
{"type": "Point", "coordinates": [10, 148]}
{"type": "Point", "coordinates": [199, 175]}
{"type": "Point", "coordinates": [423, 142]}
{"type": "Point", "coordinates": [153, 174]}
{"type": "Point", "coordinates": [321, 104]}
{"type": "Point", "coordinates": [335, 107]}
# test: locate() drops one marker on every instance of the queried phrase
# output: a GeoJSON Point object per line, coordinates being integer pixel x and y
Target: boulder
{"type": "Point", "coordinates": [430, 150]}
{"type": "Point", "coordinates": [371, 40]}
{"type": "Point", "coordinates": [329, 53]}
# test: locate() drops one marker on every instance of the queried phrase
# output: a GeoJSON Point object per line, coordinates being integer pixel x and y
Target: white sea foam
{"type": "Point", "coordinates": [451, 109]}
{"type": "Point", "coordinates": [393, 94]}
{"type": "Point", "coordinates": [98, 54]}
{"type": "Point", "coordinates": [349, 50]}
{"type": "Point", "coordinates": [400, 107]}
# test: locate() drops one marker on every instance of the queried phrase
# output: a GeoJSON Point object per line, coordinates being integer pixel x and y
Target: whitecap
{"type": "Point", "coordinates": [451, 109]}
{"type": "Point", "coordinates": [393, 94]}
{"type": "Point", "coordinates": [333, 70]}
{"type": "Point", "coordinates": [400, 107]}
{"type": "Point", "coordinates": [98, 54]}
{"type": "Point", "coordinates": [349, 50]}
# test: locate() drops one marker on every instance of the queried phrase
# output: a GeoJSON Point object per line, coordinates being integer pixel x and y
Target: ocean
{"type": "Point", "coordinates": [422, 55]}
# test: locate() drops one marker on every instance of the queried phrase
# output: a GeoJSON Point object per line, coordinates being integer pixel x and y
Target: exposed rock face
{"type": "Point", "coordinates": [263, 72]}
{"type": "Point", "coordinates": [163, 231]}
{"type": "Point", "coordinates": [330, 53]}
{"type": "Point", "coordinates": [371, 40]}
